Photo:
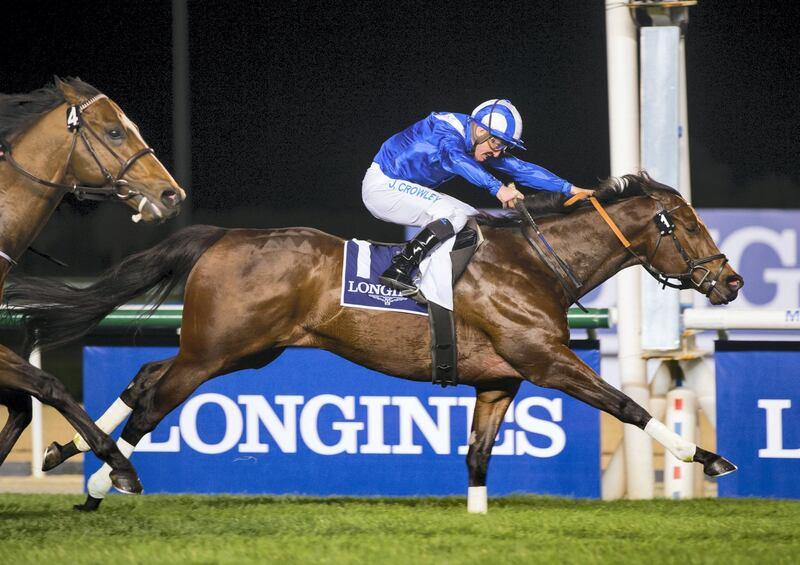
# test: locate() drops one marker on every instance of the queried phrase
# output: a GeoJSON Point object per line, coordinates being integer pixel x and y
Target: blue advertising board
{"type": "Point", "coordinates": [758, 417]}
{"type": "Point", "coordinates": [314, 423]}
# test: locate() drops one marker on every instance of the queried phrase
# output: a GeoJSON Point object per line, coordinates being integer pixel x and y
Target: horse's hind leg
{"type": "Point", "coordinates": [18, 375]}
{"type": "Point", "coordinates": [147, 376]}
{"type": "Point", "coordinates": [490, 409]}
{"type": "Point", "coordinates": [19, 416]}
{"type": "Point", "coordinates": [566, 372]}
{"type": "Point", "coordinates": [179, 380]}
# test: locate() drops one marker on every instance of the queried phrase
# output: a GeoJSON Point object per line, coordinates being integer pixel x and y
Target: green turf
{"type": "Point", "coordinates": [153, 529]}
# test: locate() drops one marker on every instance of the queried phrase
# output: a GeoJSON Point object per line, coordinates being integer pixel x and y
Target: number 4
{"type": "Point", "coordinates": [72, 117]}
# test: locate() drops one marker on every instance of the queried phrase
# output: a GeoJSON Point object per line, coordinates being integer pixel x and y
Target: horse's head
{"type": "Point", "coordinates": [110, 158]}
{"type": "Point", "coordinates": [679, 250]}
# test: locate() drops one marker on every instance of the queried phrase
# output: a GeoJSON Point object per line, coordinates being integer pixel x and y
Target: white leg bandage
{"type": "Point", "coordinates": [476, 500]}
{"type": "Point", "coordinates": [108, 422]}
{"type": "Point", "coordinates": [679, 447]}
{"type": "Point", "coordinates": [100, 482]}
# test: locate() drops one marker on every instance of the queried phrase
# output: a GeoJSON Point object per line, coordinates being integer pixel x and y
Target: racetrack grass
{"type": "Point", "coordinates": [254, 529]}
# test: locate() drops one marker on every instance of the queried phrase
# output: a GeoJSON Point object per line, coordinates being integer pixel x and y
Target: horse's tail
{"type": "Point", "coordinates": [55, 313]}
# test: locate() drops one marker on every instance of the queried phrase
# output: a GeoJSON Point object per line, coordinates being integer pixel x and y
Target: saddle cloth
{"type": "Point", "coordinates": [364, 262]}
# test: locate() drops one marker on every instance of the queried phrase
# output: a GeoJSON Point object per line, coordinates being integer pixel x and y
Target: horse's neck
{"type": "Point", "coordinates": [586, 243]}
{"type": "Point", "coordinates": [598, 254]}
{"type": "Point", "coordinates": [25, 205]}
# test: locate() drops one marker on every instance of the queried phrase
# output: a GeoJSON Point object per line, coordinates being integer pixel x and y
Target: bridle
{"type": "Point", "coordinates": [116, 185]}
{"type": "Point", "coordinates": [686, 280]}
{"type": "Point", "coordinates": [666, 227]}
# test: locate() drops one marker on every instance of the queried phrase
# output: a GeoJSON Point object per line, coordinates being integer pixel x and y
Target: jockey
{"type": "Point", "coordinates": [399, 186]}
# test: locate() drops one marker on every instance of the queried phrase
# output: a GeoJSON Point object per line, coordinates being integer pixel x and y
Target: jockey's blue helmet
{"type": "Point", "coordinates": [500, 118]}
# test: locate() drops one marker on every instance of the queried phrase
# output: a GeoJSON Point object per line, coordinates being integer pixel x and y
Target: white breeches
{"type": "Point", "coordinates": [407, 203]}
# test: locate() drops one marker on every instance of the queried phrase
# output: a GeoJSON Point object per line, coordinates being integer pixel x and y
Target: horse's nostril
{"type": "Point", "coordinates": [169, 197]}
{"type": "Point", "coordinates": [734, 283]}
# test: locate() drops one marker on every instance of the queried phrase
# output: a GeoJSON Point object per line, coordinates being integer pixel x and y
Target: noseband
{"type": "Point", "coordinates": [116, 185]}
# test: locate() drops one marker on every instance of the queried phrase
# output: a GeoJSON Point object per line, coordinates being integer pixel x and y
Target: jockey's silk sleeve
{"type": "Point", "coordinates": [530, 175]}
{"type": "Point", "coordinates": [457, 161]}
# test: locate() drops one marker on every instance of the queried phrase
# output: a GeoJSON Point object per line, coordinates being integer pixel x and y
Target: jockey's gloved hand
{"type": "Point", "coordinates": [509, 195]}
{"type": "Point", "coordinates": [577, 190]}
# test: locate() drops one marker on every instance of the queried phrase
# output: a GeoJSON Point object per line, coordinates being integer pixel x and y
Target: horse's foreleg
{"type": "Point", "coordinates": [18, 375]}
{"type": "Point", "coordinates": [19, 416]}
{"type": "Point", "coordinates": [490, 409]}
{"type": "Point", "coordinates": [566, 372]}
{"type": "Point", "coordinates": [147, 376]}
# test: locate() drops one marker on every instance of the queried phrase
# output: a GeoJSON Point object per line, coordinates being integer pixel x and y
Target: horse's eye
{"type": "Point", "coordinates": [693, 228]}
{"type": "Point", "coordinates": [115, 133]}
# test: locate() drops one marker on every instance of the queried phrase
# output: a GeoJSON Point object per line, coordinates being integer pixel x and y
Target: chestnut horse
{"type": "Point", "coordinates": [67, 138]}
{"type": "Point", "coordinates": [252, 293]}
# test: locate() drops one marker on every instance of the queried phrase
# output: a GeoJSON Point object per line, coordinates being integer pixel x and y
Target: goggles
{"type": "Point", "coordinates": [497, 144]}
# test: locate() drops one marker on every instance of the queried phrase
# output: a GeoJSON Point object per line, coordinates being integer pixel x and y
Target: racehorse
{"type": "Point", "coordinates": [68, 138]}
{"type": "Point", "coordinates": [250, 294]}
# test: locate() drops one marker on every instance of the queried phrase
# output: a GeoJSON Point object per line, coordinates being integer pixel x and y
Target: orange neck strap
{"type": "Point", "coordinates": [602, 212]}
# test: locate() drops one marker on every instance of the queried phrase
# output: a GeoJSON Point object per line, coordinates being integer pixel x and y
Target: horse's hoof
{"type": "Point", "coordinates": [126, 482]}
{"type": "Point", "coordinates": [719, 467]}
{"type": "Point", "coordinates": [52, 456]}
{"type": "Point", "coordinates": [90, 505]}
{"type": "Point", "coordinates": [56, 454]}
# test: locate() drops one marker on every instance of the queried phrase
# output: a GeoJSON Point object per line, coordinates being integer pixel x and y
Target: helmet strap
{"type": "Point", "coordinates": [478, 140]}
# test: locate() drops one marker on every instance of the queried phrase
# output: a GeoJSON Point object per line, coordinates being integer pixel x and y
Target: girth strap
{"type": "Point", "coordinates": [443, 346]}
{"type": "Point", "coordinates": [444, 354]}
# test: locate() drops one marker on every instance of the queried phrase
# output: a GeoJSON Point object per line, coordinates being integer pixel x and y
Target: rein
{"type": "Point", "coordinates": [550, 258]}
{"type": "Point", "coordinates": [115, 185]}
{"type": "Point", "coordinates": [665, 225]}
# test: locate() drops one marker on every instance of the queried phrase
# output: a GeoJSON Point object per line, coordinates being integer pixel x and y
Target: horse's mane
{"type": "Point", "coordinates": [545, 203]}
{"type": "Point", "coordinates": [19, 111]}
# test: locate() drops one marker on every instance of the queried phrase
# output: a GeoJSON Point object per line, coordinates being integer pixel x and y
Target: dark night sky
{"type": "Point", "coordinates": [291, 101]}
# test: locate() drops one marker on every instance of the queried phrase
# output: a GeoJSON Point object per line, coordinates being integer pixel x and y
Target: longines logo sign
{"type": "Point", "coordinates": [313, 423]}
{"type": "Point", "coordinates": [758, 416]}
{"type": "Point", "coordinates": [293, 422]}
{"type": "Point", "coordinates": [378, 292]}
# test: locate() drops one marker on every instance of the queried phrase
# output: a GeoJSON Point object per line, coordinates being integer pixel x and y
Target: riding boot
{"type": "Point", "coordinates": [398, 275]}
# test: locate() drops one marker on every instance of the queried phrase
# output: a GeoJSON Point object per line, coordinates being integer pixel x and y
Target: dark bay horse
{"type": "Point", "coordinates": [252, 293]}
{"type": "Point", "coordinates": [67, 138]}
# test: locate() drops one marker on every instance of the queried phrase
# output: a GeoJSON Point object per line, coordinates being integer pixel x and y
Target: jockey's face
{"type": "Point", "coordinates": [491, 147]}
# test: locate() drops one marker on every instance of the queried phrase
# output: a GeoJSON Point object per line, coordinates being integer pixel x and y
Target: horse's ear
{"type": "Point", "coordinates": [70, 94]}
